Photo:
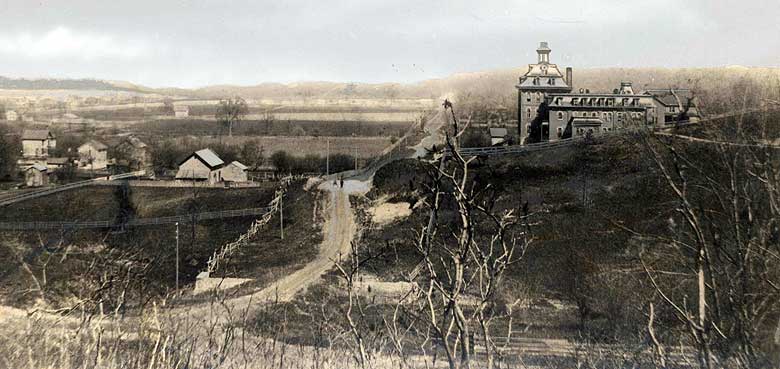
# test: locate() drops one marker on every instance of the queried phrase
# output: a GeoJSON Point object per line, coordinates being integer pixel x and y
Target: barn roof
{"type": "Point", "coordinates": [208, 157]}
{"type": "Point", "coordinates": [36, 134]}
{"type": "Point", "coordinates": [239, 165]}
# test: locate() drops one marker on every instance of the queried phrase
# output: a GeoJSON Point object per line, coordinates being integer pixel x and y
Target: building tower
{"type": "Point", "coordinates": [541, 79]}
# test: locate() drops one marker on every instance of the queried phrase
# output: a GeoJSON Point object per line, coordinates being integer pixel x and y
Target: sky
{"type": "Point", "coordinates": [194, 43]}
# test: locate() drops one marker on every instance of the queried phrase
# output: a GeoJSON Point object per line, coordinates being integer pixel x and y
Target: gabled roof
{"type": "Point", "coordinates": [208, 157]}
{"type": "Point", "coordinates": [665, 96]}
{"type": "Point", "coordinates": [498, 132]}
{"type": "Point", "coordinates": [37, 134]}
{"type": "Point", "coordinates": [95, 144]}
{"type": "Point", "coordinates": [239, 165]}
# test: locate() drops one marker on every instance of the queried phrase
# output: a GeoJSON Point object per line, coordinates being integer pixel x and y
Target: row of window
{"type": "Point", "coordinates": [604, 115]}
{"type": "Point", "coordinates": [598, 101]}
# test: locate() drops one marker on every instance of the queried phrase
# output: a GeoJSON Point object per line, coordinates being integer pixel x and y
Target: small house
{"type": "Point", "coordinates": [498, 136]}
{"type": "Point", "coordinates": [36, 143]}
{"type": "Point", "coordinates": [135, 152]}
{"type": "Point", "coordinates": [181, 111]}
{"type": "Point", "coordinates": [202, 166]}
{"type": "Point", "coordinates": [11, 115]}
{"type": "Point", "coordinates": [93, 155]}
{"type": "Point", "coordinates": [235, 172]}
{"type": "Point", "coordinates": [36, 175]}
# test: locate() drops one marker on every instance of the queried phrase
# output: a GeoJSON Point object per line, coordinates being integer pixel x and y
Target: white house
{"type": "Point", "coordinates": [203, 166]}
{"type": "Point", "coordinates": [181, 111]}
{"type": "Point", "coordinates": [93, 155]}
{"type": "Point", "coordinates": [234, 172]}
{"type": "Point", "coordinates": [36, 143]}
{"type": "Point", "coordinates": [36, 175]}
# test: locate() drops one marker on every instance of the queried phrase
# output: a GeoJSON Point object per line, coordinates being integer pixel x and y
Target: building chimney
{"type": "Point", "coordinates": [568, 76]}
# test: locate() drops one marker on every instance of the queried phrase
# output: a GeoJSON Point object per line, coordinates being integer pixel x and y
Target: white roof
{"type": "Point", "coordinates": [239, 165]}
{"type": "Point", "coordinates": [38, 167]}
{"type": "Point", "coordinates": [210, 157]}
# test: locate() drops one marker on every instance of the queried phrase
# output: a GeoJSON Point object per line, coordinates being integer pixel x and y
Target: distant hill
{"type": "Point", "coordinates": [63, 84]}
{"type": "Point", "coordinates": [485, 83]}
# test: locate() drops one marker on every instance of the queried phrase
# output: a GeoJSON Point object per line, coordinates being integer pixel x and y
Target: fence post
{"type": "Point", "coordinates": [281, 214]}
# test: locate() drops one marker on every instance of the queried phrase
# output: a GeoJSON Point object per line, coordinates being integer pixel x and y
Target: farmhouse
{"type": "Point", "coordinates": [134, 153]}
{"type": "Point", "coordinates": [36, 143]}
{"type": "Point", "coordinates": [11, 115]}
{"type": "Point", "coordinates": [36, 175]}
{"type": "Point", "coordinates": [549, 111]}
{"type": "Point", "coordinates": [181, 111]}
{"type": "Point", "coordinates": [234, 172]}
{"type": "Point", "coordinates": [203, 166]}
{"type": "Point", "coordinates": [93, 155]}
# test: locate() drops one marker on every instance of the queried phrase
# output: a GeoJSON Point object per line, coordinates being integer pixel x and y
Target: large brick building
{"type": "Point", "coordinates": [549, 111]}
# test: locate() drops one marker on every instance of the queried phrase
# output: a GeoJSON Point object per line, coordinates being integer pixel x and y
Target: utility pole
{"type": "Point", "coordinates": [281, 215]}
{"type": "Point", "coordinates": [327, 156]}
{"type": "Point", "coordinates": [356, 163]}
{"type": "Point", "coordinates": [177, 256]}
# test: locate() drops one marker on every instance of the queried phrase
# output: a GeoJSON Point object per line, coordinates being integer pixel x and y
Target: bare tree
{"type": "Point", "coordinates": [466, 247]}
{"type": "Point", "coordinates": [230, 111]}
{"type": "Point", "coordinates": [722, 244]}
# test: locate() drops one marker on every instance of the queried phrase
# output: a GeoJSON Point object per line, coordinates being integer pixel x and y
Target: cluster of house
{"type": "Point", "coordinates": [549, 111]}
{"type": "Point", "coordinates": [38, 146]}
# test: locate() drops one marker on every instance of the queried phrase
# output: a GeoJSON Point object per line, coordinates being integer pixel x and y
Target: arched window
{"type": "Point", "coordinates": [528, 112]}
{"type": "Point", "coordinates": [595, 115]}
{"type": "Point", "coordinates": [538, 96]}
{"type": "Point", "coordinates": [560, 115]}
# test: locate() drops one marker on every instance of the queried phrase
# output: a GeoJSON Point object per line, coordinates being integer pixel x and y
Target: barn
{"type": "Point", "coordinates": [202, 166]}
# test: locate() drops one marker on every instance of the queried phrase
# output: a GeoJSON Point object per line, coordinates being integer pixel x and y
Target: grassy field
{"type": "Point", "coordinates": [71, 263]}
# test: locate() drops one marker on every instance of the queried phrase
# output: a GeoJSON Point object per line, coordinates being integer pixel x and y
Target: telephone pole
{"type": "Point", "coordinates": [177, 256]}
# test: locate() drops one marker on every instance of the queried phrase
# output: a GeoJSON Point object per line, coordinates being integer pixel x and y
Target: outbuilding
{"type": "Point", "coordinates": [202, 166]}
{"type": "Point", "coordinates": [235, 172]}
{"type": "Point", "coordinates": [498, 136]}
{"type": "Point", "coordinates": [36, 175]}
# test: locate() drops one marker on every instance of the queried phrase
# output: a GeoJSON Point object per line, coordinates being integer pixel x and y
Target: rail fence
{"type": "Point", "coordinates": [66, 187]}
{"type": "Point", "coordinates": [276, 205]}
{"type": "Point", "coordinates": [138, 222]}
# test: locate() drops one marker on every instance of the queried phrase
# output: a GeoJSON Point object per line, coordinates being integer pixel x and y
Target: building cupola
{"type": "Point", "coordinates": [626, 89]}
{"type": "Point", "coordinates": [544, 52]}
